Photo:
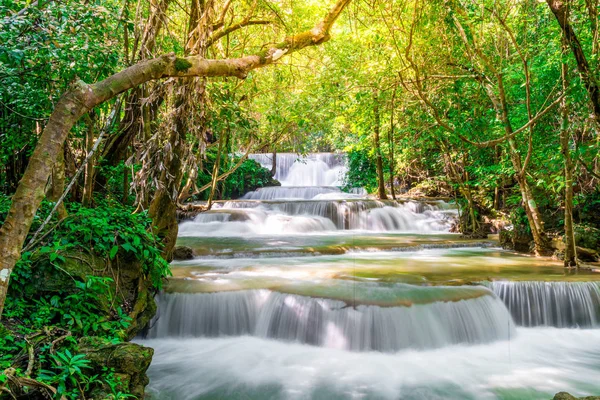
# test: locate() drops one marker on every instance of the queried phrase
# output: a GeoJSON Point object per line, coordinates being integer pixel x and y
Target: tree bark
{"type": "Point", "coordinates": [570, 259]}
{"type": "Point", "coordinates": [376, 141]}
{"type": "Point", "coordinates": [81, 98]}
{"type": "Point", "coordinates": [88, 181]}
{"type": "Point", "coordinates": [561, 12]}
{"type": "Point", "coordinates": [57, 183]}
{"type": "Point", "coordinates": [215, 173]}
{"type": "Point", "coordinates": [391, 145]}
{"type": "Point", "coordinates": [274, 164]}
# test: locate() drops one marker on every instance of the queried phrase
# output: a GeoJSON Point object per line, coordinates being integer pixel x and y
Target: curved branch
{"type": "Point", "coordinates": [218, 35]}
{"type": "Point", "coordinates": [81, 98]}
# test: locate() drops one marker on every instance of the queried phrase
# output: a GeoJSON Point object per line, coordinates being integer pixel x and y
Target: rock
{"type": "Point", "coordinates": [183, 253]}
{"type": "Point", "coordinates": [516, 239]}
{"type": "Point", "coordinates": [129, 361]}
{"type": "Point", "coordinates": [134, 293]}
{"type": "Point", "coordinates": [587, 254]}
{"type": "Point", "coordinates": [564, 396]}
{"type": "Point", "coordinates": [567, 396]}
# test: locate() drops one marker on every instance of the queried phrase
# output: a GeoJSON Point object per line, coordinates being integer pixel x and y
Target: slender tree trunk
{"type": "Point", "coordinates": [215, 173]}
{"type": "Point", "coordinates": [379, 158]}
{"type": "Point", "coordinates": [534, 217]}
{"type": "Point", "coordinates": [88, 181]}
{"type": "Point", "coordinates": [391, 145]}
{"type": "Point", "coordinates": [274, 165]}
{"type": "Point", "coordinates": [57, 183]}
{"type": "Point", "coordinates": [570, 249]}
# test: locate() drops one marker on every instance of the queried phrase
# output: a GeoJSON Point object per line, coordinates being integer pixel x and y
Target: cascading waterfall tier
{"type": "Point", "coordinates": [558, 304]}
{"type": "Point", "coordinates": [309, 216]}
{"type": "Point", "coordinates": [332, 323]}
{"type": "Point", "coordinates": [315, 169]}
{"type": "Point", "coordinates": [292, 192]}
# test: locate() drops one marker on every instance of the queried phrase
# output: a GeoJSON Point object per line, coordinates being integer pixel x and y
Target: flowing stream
{"type": "Point", "coordinates": [303, 291]}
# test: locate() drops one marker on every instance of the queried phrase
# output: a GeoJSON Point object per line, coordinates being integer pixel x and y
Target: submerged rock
{"type": "Point", "coordinates": [183, 253]}
{"type": "Point", "coordinates": [129, 361]}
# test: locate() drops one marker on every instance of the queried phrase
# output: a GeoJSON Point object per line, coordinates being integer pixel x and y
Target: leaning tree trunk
{"type": "Point", "coordinates": [561, 12]}
{"type": "Point", "coordinates": [81, 98]}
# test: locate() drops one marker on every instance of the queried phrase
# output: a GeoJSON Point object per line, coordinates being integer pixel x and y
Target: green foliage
{"type": "Point", "coordinates": [42, 52]}
{"type": "Point", "coordinates": [112, 229]}
{"type": "Point", "coordinates": [81, 306]}
{"type": "Point", "coordinates": [249, 176]}
{"type": "Point", "coordinates": [361, 171]}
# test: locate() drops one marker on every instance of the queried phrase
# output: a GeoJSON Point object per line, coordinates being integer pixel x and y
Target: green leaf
{"type": "Point", "coordinates": [113, 252]}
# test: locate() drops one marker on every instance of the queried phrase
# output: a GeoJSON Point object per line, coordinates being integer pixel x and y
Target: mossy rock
{"type": "Point", "coordinates": [183, 253]}
{"type": "Point", "coordinates": [516, 239]}
{"type": "Point", "coordinates": [129, 361]}
{"type": "Point", "coordinates": [130, 286]}
{"type": "Point", "coordinates": [567, 396]}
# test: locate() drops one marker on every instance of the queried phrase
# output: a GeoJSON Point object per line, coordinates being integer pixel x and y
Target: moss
{"type": "Point", "coordinates": [182, 65]}
{"type": "Point", "coordinates": [129, 361]}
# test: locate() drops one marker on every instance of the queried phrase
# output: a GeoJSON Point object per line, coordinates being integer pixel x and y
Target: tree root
{"type": "Point", "coordinates": [18, 383]}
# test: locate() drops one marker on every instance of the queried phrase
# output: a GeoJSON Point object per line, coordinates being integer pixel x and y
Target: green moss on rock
{"type": "Point", "coordinates": [129, 361]}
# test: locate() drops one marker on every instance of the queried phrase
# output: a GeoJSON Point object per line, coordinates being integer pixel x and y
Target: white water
{"type": "Point", "coordinates": [560, 304]}
{"type": "Point", "coordinates": [316, 169]}
{"type": "Point", "coordinates": [535, 364]}
{"type": "Point", "coordinates": [332, 323]}
{"type": "Point", "coordinates": [314, 328]}
{"type": "Point", "coordinates": [307, 217]}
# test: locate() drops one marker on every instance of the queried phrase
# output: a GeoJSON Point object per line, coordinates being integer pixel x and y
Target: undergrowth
{"type": "Point", "coordinates": [39, 334]}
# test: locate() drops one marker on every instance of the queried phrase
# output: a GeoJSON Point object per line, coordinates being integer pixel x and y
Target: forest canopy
{"type": "Point", "coordinates": [128, 114]}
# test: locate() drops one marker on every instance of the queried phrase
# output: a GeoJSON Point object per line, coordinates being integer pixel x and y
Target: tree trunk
{"type": "Point", "coordinates": [391, 146]}
{"type": "Point", "coordinates": [570, 259]}
{"type": "Point", "coordinates": [215, 173]}
{"type": "Point", "coordinates": [534, 217]}
{"type": "Point", "coordinates": [57, 183]}
{"type": "Point", "coordinates": [379, 158]}
{"type": "Point", "coordinates": [274, 164]}
{"type": "Point", "coordinates": [88, 182]}
{"type": "Point", "coordinates": [561, 12]}
{"type": "Point", "coordinates": [82, 98]}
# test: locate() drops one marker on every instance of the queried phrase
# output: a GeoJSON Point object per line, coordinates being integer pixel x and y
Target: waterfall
{"type": "Point", "coordinates": [332, 323]}
{"type": "Point", "coordinates": [558, 304]}
{"type": "Point", "coordinates": [291, 192]}
{"type": "Point", "coordinates": [315, 169]}
{"type": "Point", "coordinates": [309, 216]}
{"type": "Point", "coordinates": [253, 221]}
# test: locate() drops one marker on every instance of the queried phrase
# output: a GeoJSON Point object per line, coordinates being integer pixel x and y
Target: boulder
{"type": "Point", "coordinates": [589, 255]}
{"type": "Point", "coordinates": [516, 239]}
{"type": "Point", "coordinates": [130, 286]}
{"type": "Point", "coordinates": [129, 361]}
{"type": "Point", "coordinates": [183, 253]}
